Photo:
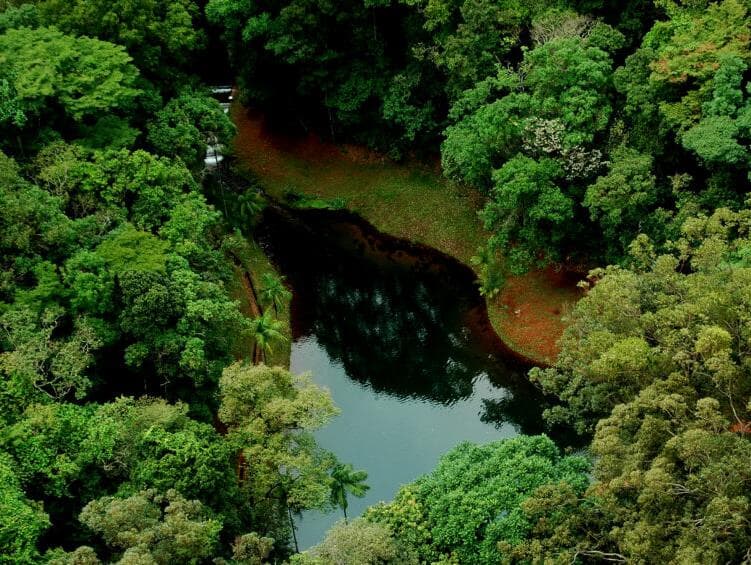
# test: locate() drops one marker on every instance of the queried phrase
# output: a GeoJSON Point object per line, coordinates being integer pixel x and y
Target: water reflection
{"type": "Point", "coordinates": [396, 320]}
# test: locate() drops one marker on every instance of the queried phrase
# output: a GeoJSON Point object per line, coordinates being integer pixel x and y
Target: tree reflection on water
{"type": "Point", "coordinates": [398, 320]}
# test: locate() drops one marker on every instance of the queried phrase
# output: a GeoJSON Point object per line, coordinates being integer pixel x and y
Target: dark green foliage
{"type": "Point", "coordinates": [528, 206]}
{"type": "Point", "coordinates": [187, 124]}
{"type": "Point", "coordinates": [596, 130]}
{"type": "Point", "coordinates": [162, 37]}
{"type": "Point", "coordinates": [620, 199]}
{"type": "Point", "coordinates": [114, 285]}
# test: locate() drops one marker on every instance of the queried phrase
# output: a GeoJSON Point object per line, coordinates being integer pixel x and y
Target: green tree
{"type": "Point", "coordinates": [358, 542]}
{"type": "Point", "coordinates": [37, 365]}
{"type": "Point", "coordinates": [721, 136]}
{"type": "Point", "coordinates": [165, 528]}
{"type": "Point", "coordinates": [528, 212]}
{"type": "Point", "coordinates": [622, 199]}
{"type": "Point", "coordinates": [528, 136]}
{"type": "Point", "coordinates": [270, 414]}
{"type": "Point", "coordinates": [636, 327]}
{"type": "Point", "coordinates": [22, 521]}
{"type": "Point", "coordinates": [251, 549]}
{"type": "Point", "coordinates": [85, 76]}
{"type": "Point", "coordinates": [345, 481]}
{"type": "Point", "coordinates": [670, 79]}
{"type": "Point", "coordinates": [472, 501]}
{"type": "Point", "coordinates": [265, 332]}
{"type": "Point", "coordinates": [187, 124]}
{"type": "Point", "coordinates": [273, 292]}
{"type": "Point", "coordinates": [161, 37]}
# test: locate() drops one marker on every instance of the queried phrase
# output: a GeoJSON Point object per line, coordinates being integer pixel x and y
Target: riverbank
{"type": "Point", "coordinates": [413, 203]}
{"type": "Point", "coordinates": [250, 264]}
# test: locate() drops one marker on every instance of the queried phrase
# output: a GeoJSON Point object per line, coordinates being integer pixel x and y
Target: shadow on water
{"type": "Point", "coordinates": [401, 336]}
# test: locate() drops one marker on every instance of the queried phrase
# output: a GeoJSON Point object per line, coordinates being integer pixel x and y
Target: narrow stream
{"type": "Point", "coordinates": [400, 336]}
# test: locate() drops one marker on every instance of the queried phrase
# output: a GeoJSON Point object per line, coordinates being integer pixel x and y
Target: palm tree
{"type": "Point", "coordinates": [265, 331]}
{"type": "Point", "coordinates": [344, 480]}
{"type": "Point", "coordinates": [273, 291]}
{"type": "Point", "coordinates": [249, 204]}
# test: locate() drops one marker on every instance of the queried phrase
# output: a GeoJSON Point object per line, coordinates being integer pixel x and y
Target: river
{"type": "Point", "coordinates": [399, 334]}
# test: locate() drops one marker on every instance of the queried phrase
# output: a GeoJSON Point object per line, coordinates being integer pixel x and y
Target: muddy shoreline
{"type": "Point", "coordinates": [379, 246]}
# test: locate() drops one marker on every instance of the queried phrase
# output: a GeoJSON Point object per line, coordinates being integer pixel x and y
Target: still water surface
{"type": "Point", "coordinates": [400, 337]}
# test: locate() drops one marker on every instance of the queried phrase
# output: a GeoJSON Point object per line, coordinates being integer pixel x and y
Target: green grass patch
{"type": "Point", "coordinates": [412, 202]}
{"type": "Point", "coordinates": [254, 262]}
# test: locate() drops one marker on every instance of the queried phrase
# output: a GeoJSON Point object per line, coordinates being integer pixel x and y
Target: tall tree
{"type": "Point", "coordinates": [270, 414]}
{"type": "Point", "coordinates": [345, 481]}
{"type": "Point", "coordinates": [273, 292]}
{"type": "Point", "coordinates": [265, 332]}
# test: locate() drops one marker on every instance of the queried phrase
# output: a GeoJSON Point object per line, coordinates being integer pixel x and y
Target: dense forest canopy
{"type": "Point", "coordinates": [139, 420]}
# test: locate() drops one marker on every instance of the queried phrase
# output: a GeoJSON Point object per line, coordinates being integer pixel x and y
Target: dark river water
{"type": "Point", "coordinates": [400, 336]}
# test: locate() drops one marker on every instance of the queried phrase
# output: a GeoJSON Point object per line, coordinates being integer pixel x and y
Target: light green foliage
{"type": "Point", "coordinates": [672, 476]}
{"type": "Point", "coordinates": [11, 106]}
{"type": "Point", "coordinates": [32, 222]}
{"type": "Point", "coordinates": [251, 549]}
{"type": "Point", "coordinates": [714, 140]}
{"type": "Point", "coordinates": [579, 95]}
{"type": "Point", "coordinates": [83, 555]}
{"type": "Point", "coordinates": [66, 451]}
{"type": "Point", "coordinates": [36, 364]}
{"type": "Point", "coordinates": [473, 495]}
{"type": "Point", "coordinates": [358, 542]}
{"type": "Point", "coordinates": [84, 76]}
{"type": "Point", "coordinates": [491, 132]}
{"type": "Point", "coordinates": [471, 501]}
{"type": "Point", "coordinates": [406, 517]}
{"type": "Point", "coordinates": [155, 443]}
{"type": "Point", "coordinates": [270, 414]}
{"type": "Point", "coordinates": [564, 526]}
{"type": "Point", "coordinates": [167, 528]}
{"type": "Point", "coordinates": [46, 447]}
{"type": "Point", "coordinates": [21, 520]}
{"type": "Point", "coordinates": [147, 187]}
{"type": "Point", "coordinates": [177, 322]}
{"type": "Point", "coordinates": [187, 124]}
{"type": "Point", "coordinates": [634, 328]}
{"type": "Point", "coordinates": [128, 249]}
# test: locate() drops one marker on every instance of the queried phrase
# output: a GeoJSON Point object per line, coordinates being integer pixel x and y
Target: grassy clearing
{"type": "Point", "coordinates": [413, 203]}
{"type": "Point", "coordinates": [255, 263]}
